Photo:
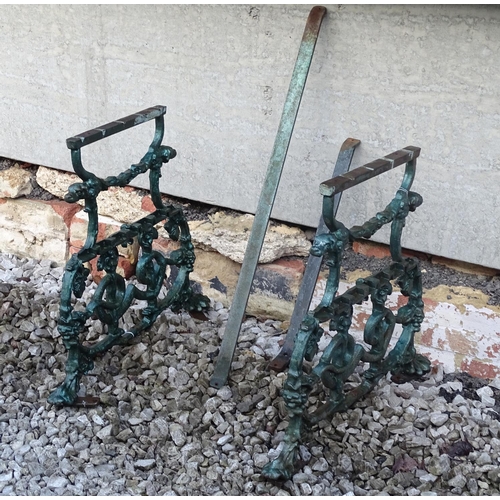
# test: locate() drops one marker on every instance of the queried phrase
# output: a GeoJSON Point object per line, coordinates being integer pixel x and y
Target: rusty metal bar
{"type": "Point", "coordinates": [267, 196]}
{"type": "Point", "coordinates": [98, 133]}
{"type": "Point", "coordinates": [368, 171]}
{"type": "Point", "coordinates": [313, 266]}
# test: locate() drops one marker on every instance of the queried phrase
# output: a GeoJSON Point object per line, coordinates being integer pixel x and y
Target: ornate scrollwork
{"type": "Point", "coordinates": [343, 354]}
{"type": "Point", "coordinates": [113, 296]}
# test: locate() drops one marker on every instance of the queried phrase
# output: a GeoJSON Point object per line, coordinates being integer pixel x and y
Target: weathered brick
{"type": "Point", "coordinates": [106, 227]}
{"type": "Point", "coordinates": [380, 250]}
{"type": "Point", "coordinates": [482, 369]}
{"type": "Point", "coordinates": [124, 267]}
{"type": "Point", "coordinates": [371, 249]}
{"type": "Point", "coordinates": [65, 210]}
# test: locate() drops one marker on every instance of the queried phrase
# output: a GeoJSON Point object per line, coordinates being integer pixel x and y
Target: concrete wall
{"type": "Point", "coordinates": [390, 76]}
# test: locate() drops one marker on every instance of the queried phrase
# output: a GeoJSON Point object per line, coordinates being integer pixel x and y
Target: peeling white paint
{"type": "Point", "coordinates": [478, 327]}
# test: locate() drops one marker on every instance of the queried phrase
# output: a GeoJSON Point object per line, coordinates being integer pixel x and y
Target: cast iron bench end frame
{"type": "Point", "coordinates": [343, 355]}
{"type": "Point", "coordinates": [113, 296]}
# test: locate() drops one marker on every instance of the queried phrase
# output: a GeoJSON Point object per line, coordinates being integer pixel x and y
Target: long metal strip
{"type": "Point", "coordinates": [281, 361]}
{"type": "Point", "coordinates": [267, 196]}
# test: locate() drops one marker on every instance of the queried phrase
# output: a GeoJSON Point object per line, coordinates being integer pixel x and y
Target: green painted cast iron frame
{"type": "Point", "coordinates": [313, 266]}
{"type": "Point", "coordinates": [113, 297]}
{"type": "Point", "coordinates": [344, 355]}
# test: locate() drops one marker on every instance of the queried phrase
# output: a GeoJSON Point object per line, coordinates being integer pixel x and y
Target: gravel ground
{"type": "Point", "coordinates": [161, 430]}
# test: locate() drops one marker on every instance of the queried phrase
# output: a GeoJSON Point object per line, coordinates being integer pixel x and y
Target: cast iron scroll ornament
{"type": "Point", "coordinates": [113, 296]}
{"type": "Point", "coordinates": [343, 354]}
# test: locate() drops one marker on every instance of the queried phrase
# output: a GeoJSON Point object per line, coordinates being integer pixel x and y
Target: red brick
{"type": "Point", "coordinates": [459, 343]}
{"type": "Point", "coordinates": [165, 245]}
{"type": "Point", "coordinates": [281, 267]}
{"type": "Point", "coordinates": [66, 210]}
{"type": "Point", "coordinates": [147, 204]}
{"type": "Point", "coordinates": [426, 337]}
{"type": "Point", "coordinates": [296, 265]}
{"type": "Point", "coordinates": [480, 369]}
{"type": "Point", "coordinates": [380, 250]}
{"type": "Point", "coordinates": [125, 268]}
{"type": "Point", "coordinates": [429, 304]}
{"type": "Point", "coordinates": [359, 320]}
{"type": "Point", "coordinates": [493, 350]}
{"type": "Point", "coordinates": [371, 249]}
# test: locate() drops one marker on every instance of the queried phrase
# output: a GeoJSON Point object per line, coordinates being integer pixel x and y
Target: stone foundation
{"type": "Point", "coordinates": [460, 329]}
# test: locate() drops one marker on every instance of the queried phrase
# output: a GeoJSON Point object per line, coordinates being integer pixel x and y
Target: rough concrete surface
{"type": "Point", "coordinates": [389, 75]}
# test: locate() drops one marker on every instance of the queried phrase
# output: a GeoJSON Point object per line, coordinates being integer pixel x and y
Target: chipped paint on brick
{"type": "Point", "coordinates": [461, 332]}
{"type": "Point", "coordinates": [480, 368]}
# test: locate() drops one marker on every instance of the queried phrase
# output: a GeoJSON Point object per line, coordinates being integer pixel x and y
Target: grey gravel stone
{"type": "Point", "coordinates": [6, 476]}
{"type": "Point", "coordinates": [160, 428]}
{"type": "Point", "coordinates": [439, 465]}
{"type": "Point", "coordinates": [458, 481]}
{"type": "Point", "coordinates": [177, 434]}
{"type": "Point", "coordinates": [145, 464]}
{"type": "Point", "coordinates": [104, 432]}
{"type": "Point", "coordinates": [321, 465]}
{"type": "Point", "coordinates": [484, 459]}
{"type": "Point", "coordinates": [438, 419]}
{"type": "Point", "coordinates": [57, 482]}
{"type": "Point", "coordinates": [345, 463]}
{"type": "Point", "coordinates": [428, 478]}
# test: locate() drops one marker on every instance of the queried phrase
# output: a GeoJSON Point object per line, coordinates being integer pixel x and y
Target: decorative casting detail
{"type": "Point", "coordinates": [343, 354]}
{"type": "Point", "coordinates": [113, 296]}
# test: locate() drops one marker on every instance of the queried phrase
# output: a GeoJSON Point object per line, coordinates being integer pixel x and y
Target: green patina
{"type": "Point", "coordinates": [332, 370]}
{"type": "Point", "coordinates": [113, 295]}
